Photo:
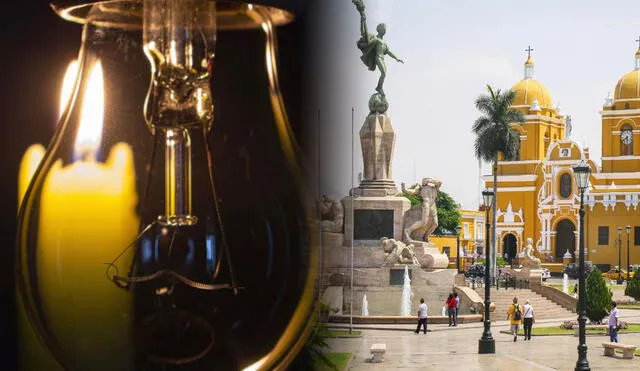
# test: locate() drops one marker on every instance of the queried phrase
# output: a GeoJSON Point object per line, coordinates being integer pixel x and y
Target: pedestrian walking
{"type": "Point", "coordinates": [529, 319]}
{"type": "Point", "coordinates": [451, 310]}
{"type": "Point", "coordinates": [457, 298]}
{"type": "Point", "coordinates": [422, 316]}
{"type": "Point", "coordinates": [614, 323]}
{"type": "Point", "coordinates": [575, 290]}
{"type": "Point", "coordinates": [514, 314]}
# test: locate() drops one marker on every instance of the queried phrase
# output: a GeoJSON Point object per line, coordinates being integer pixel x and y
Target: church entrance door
{"type": "Point", "coordinates": [509, 247]}
{"type": "Point", "coordinates": [565, 238]}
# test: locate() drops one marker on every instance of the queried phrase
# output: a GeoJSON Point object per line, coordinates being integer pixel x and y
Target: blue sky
{"type": "Point", "coordinates": [452, 49]}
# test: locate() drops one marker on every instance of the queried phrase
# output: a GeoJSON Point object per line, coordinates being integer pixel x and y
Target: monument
{"type": "Point", "coordinates": [390, 238]}
{"type": "Point", "coordinates": [378, 205]}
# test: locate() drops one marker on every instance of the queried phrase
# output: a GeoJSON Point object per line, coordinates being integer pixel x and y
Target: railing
{"type": "Point", "coordinates": [508, 281]}
{"type": "Point", "coordinates": [501, 282]}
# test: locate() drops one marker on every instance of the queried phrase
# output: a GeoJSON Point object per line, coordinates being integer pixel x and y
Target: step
{"type": "Point", "coordinates": [545, 308]}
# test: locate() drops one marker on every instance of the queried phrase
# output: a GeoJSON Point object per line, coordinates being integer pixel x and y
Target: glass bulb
{"type": "Point", "coordinates": [130, 258]}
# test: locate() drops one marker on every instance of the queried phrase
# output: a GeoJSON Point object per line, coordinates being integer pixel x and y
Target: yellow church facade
{"type": "Point", "coordinates": [537, 196]}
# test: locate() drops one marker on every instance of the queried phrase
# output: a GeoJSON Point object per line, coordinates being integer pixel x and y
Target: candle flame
{"type": "Point", "coordinates": [88, 137]}
{"type": "Point", "coordinates": [67, 85]}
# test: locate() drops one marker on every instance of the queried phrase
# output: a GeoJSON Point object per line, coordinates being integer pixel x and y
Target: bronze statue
{"type": "Point", "coordinates": [373, 48]}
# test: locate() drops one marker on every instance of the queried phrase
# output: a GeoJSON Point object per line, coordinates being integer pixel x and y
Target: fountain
{"type": "Point", "coordinates": [365, 306]}
{"type": "Point", "coordinates": [565, 283]}
{"type": "Point", "coordinates": [405, 309]}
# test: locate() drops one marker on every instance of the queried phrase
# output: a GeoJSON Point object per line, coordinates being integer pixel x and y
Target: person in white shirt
{"type": "Point", "coordinates": [529, 318]}
{"type": "Point", "coordinates": [613, 324]}
{"type": "Point", "coordinates": [422, 316]}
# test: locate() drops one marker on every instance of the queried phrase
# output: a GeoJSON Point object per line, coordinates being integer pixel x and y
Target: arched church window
{"type": "Point", "coordinates": [566, 185]}
{"type": "Point", "coordinates": [626, 141]}
{"type": "Point", "coordinates": [626, 106]}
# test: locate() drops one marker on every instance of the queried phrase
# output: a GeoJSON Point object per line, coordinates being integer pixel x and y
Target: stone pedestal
{"type": "Point", "coordinates": [373, 217]}
{"type": "Point", "coordinates": [377, 139]}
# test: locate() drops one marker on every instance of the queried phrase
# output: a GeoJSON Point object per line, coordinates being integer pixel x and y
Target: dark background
{"type": "Point", "coordinates": [35, 49]}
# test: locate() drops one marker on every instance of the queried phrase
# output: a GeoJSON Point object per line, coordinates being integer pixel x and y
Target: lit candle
{"type": "Point", "coordinates": [35, 153]}
{"type": "Point", "coordinates": [87, 218]}
{"type": "Point", "coordinates": [33, 356]}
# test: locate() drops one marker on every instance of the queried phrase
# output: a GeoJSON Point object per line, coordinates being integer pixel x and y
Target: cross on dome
{"type": "Point", "coordinates": [528, 65]}
{"type": "Point", "coordinates": [529, 50]}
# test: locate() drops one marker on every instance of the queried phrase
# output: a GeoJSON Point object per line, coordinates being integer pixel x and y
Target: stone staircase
{"type": "Point", "coordinates": [543, 307]}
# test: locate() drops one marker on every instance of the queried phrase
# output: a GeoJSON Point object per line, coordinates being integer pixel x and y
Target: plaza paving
{"type": "Point", "coordinates": [456, 348]}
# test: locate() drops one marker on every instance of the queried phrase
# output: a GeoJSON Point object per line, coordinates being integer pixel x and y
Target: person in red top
{"type": "Point", "coordinates": [451, 310]}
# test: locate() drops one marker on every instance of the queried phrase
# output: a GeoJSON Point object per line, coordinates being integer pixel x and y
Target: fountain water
{"type": "Point", "coordinates": [365, 306]}
{"type": "Point", "coordinates": [405, 309]}
{"type": "Point", "coordinates": [565, 283]}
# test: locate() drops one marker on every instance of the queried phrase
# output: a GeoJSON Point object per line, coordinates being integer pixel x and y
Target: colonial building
{"type": "Point", "coordinates": [537, 196]}
{"type": "Point", "coordinates": [472, 234]}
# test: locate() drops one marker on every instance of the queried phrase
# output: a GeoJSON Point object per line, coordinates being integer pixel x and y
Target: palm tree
{"type": "Point", "coordinates": [494, 135]}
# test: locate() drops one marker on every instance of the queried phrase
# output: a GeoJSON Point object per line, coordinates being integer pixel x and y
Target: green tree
{"type": "Point", "coordinates": [494, 135]}
{"type": "Point", "coordinates": [448, 211]}
{"type": "Point", "coordinates": [598, 298]}
{"type": "Point", "coordinates": [448, 214]}
{"type": "Point", "coordinates": [633, 287]}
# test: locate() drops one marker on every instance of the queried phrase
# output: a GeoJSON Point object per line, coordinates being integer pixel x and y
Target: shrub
{"type": "Point", "coordinates": [598, 298]}
{"type": "Point", "coordinates": [633, 287]}
{"type": "Point", "coordinates": [312, 352]}
{"type": "Point", "coordinates": [500, 262]}
{"type": "Point", "coordinates": [569, 325]}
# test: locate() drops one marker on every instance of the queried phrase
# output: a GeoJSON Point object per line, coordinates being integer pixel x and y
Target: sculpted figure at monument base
{"type": "Point", "coordinates": [398, 252]}
{"type": "Point", "coordinates": [331, 213]}
{"type": "Point", "coordinates": [421, 220]}
{"type": "Point", "coordinates": [529, 259]}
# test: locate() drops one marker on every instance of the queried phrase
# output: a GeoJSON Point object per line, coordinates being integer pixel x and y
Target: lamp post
{"type": "Point", "coordinates": [457, 232]}
{"type": "Point", "coordinates": [628, 262]}
{"type": "Point", "coordinates": [486, 344]}
{"type": "Point", "coordinates": [581, 173]}
{"type": "Point", "coordinates": [619, 281]}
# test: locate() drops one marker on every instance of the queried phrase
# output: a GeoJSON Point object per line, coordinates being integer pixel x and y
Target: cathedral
{"type": "Point", "coordinates": [537, 195]}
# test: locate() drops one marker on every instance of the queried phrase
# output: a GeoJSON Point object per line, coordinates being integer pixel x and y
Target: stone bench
{"type": "Point", "coordinates": [588, 327]}
{"type": "Point", "coordinates": [628, 350]}
{"type": "Point", "coordinates": [377, 352]}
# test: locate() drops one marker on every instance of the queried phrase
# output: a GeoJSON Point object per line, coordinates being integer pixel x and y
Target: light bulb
{"type": "Point", "coordinates": [130, 257]}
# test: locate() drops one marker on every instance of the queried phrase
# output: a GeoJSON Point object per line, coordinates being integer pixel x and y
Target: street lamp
{"type": "Point", "coordinates": [457, 232]}
{"type": "Point", "coordinates": [486, 344]}
{"type": "Point", "coordinates": [619, 281]}
{"type": "Point", "coordinates": [581, 173]}
{"type": "Point", "coordinates": [628, 263]}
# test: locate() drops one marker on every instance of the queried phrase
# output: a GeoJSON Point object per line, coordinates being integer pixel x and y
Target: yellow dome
{"type": "Point", "coordinates": [628, 86]}
{"type": "Point", "coordinates": [528, 90]}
